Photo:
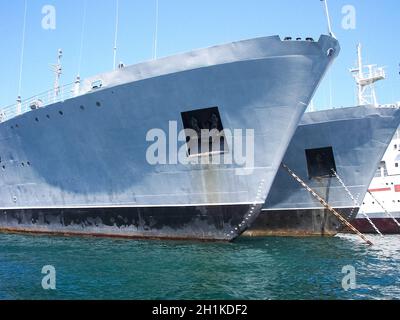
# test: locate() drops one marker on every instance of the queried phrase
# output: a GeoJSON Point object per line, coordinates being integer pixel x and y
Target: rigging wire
{"type": "Point", "coordinates": [156, 32]}
{"type": "Point", "coordinates": [328, 18]}
{"type": "Point", "coordinates": [83, 30]}
{"type": "Point", "coordinates": [116, 34]}
{"type": "Point", "coordinates": [21, 65]}
{"type": "Point", "coordinates": [330, 90]}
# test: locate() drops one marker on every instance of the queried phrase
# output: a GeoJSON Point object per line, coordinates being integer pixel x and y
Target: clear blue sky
{"type": "Point", "coordinates": [185, 25]}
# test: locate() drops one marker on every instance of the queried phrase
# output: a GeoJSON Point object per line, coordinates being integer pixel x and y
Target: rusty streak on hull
{"type": "Point", "coordinates": [99, 235]}
{"type": "Point", "coordinates": [307, 222]}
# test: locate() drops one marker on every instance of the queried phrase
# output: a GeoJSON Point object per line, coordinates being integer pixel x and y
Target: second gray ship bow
{"type": "Point", "coordinates": [336, 152]}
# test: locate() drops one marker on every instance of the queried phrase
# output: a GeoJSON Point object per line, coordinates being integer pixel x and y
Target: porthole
{"type": "Point", "coordinates": [17, 126]}
{"type": "Point", "coordinates": [12, 127]}
{"type": "Point", "coordinates": [37, 119]}
{"type": "Point", "coordinates": [61, 113]}
{"type": "Point", "coordinates": [48, 116]}
{"type": "Point", "coordinates": [98, 104]}
{"type": "Point", "coordinates": [28, 163]}
{"type": "Point", "coordinates": [23, 164]}
{"type": "Point", "coordinates": [82, 107]}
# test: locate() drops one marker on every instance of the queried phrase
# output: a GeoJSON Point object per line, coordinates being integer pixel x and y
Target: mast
{"type": "Point", "coordinates": [360, 75]}
{"type": "Point", "coordinates": [328, 18]}
{"type": "Point", "coordinates": [156, 31]}
{"type": "Point", "coordinates": [57, 69]}
{"type": "Point", "coordinates": [366, 81]}
{"type": "Point", "coordinates": [21, 65]}
{"type": "Point", "coordinates": [116, 35]}
{"type": "Point", "coordinates": [77, 85]}
{"type": "Point", "coordinates": [83, 30]}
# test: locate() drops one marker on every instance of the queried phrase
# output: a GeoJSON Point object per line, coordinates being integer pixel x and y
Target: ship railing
{"type": "Point", "coordinates": [39, 101]}
{"type": "Point", "coordinates": [378, 73]}
{"type": "Point", "coordinates": [392, 105]}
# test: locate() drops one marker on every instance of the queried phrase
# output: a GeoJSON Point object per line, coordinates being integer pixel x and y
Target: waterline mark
{"type": "Point", "coordinates": [202, 146]}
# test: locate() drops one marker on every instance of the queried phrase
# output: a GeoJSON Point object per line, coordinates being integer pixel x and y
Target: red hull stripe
{"type": "Point", "coordinates": [397, 188]}
{"type": "Point", "coordinates": [381, 189]}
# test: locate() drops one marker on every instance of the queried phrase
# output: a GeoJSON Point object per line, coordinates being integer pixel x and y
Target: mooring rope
{"type": "Point", "coordinates": [326, 205]}
{"type": "Point", "coordinates": [356, 203]}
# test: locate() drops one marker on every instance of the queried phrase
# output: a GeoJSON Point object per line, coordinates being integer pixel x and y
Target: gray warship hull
{"type": "Point", "coordinates": [79, 166]}
{"type": "Point", "coordinates": [351, 141]}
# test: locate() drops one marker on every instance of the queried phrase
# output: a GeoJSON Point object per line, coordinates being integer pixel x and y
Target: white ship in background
{"type": "Point", "coordinates": [382, 203]}
{"type": "Point", "coordinates": [380, 209]}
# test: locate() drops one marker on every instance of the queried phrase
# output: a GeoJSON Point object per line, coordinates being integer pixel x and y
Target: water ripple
{"type": "Point", "coordinates": [270, 268]}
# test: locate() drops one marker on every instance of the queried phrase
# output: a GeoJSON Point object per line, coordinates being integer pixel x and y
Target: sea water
{"type": "Point", "coordinates": [266, 268]}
